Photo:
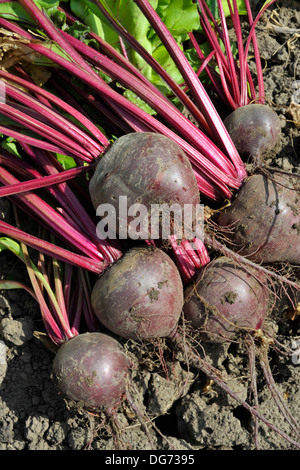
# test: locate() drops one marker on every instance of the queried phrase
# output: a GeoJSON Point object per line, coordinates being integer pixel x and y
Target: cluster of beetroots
{"type": "Point", "coordinates": [141, 295]}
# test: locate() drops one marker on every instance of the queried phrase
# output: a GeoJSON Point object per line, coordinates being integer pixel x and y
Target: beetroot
{"type": "Point", "coordinates": [140, 296]}
{"type": "Point", "coordinates": [224, 299]}
{"type": "Point", "coordinates": [266, 219]}
{"type": "Point", "coordinates": [254, 129]}
{"type": "Point", "coordinates": [92, 369]}
{"type": "Point", "coordinates": [147, 168]}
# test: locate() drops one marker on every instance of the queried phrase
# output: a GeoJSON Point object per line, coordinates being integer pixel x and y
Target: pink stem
{"type": "Point", "coordinates": [58, 289]}
{"type": "Point", "coordinates": [231, 62]}
{"type": "Point", "coordinates": [41, 182]}
{"type": "Point", "coordinates": [35, 142]}
{"type": "Point", "coordinates": [89, 315]}
{"type": "Point", "coordinates": [243, 66]}
{"type": "Point", "coordinates": [68, 271]}
{"type": "Point", "coordinates": [120, 101]}
{"type": "Point", "coordinates": [46, 24]}
{"type": "Point", "coordinates": [158, 69]}
{"type": "Point", "coordinates": [56, 119]}
{"type": "Point", "coordinates": [250, 38]}
{"type": "Point", "coordinates": [207, 68]}
{"type": "Point", "coordinates": [78, 309]}
{"type": "Point", "coordinates": [184, 262]}
{"type": "Point", "coordinates": [202, 251]}
{"type": "Point", "coordinates": [64, 194]}
{"type": "Point", "coordinates": [52, 250]}
{"type": "Point", "coordinates": [52, 219]}
{"type": "Point", "coordinates": [108, 92]}
{"type": "Point", "coordinates": [164, 107]}
{"type": "Point", "coordinates": [45, 131]}
{"type": "Point", "coordinates": [207, 20]}
{"type": "Point", "coordinates": [60, 103]}
{"type": "Point", "coordinates": [227, 92]}
{"type": "Point", "coordinates": [261, 87]}
{"type": "Point", "coordinates": [197, 89]}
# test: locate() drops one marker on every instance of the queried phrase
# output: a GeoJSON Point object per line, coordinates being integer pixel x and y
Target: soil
{"type": "Point", "coordinates": [189, 411]}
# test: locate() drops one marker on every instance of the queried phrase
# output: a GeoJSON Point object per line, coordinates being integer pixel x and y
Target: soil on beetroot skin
{"type": "Point", "coordinates": [190, 412]}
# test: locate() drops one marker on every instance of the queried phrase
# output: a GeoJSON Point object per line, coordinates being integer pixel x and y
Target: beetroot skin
{"type": "Point", "coordinates": [266, 219]}
{"type": "Point", "coordinates": [140, 296]}
{"type": "Point", "coordinates": [254, 129]}
{"type": "Point", "coordinates": [147, 168]}
{"type": "Point", "coordinates": [92, 369]}
{"type": "Point", "coordinates": [224, 299]}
